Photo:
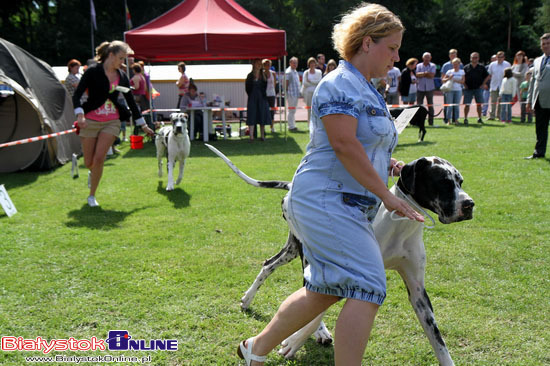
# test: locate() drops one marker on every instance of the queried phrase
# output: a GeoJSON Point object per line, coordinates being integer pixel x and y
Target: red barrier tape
{"type": "Point", "coordinates": [38, 138]}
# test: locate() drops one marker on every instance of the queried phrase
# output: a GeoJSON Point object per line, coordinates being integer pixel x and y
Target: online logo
{"type": "Point", "coordinates": [120, 340]}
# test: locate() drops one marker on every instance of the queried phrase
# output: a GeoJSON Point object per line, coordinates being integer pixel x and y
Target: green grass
{"type": "Point", "coordinates": [175, 265]}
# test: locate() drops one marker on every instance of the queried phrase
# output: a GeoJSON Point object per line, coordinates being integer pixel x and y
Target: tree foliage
{"type": "Point", "coordinates": [58, 30]}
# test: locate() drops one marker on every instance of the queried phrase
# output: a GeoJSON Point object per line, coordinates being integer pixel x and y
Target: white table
{"type": "Point", "coordinates": [207, 127]}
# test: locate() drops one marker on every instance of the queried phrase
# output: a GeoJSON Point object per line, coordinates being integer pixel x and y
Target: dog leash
{"type": "Point", "coordinates": [396, 217]}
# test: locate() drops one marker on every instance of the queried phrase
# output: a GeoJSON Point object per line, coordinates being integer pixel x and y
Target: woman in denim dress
{"type": "Point", "coordinates": [337, 189]}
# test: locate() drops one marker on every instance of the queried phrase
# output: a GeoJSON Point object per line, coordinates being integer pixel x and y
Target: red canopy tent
{"type": "Point", "coordinates": [206, 30]}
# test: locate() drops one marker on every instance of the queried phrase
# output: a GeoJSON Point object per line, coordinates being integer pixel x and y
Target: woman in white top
{"type": "Point", "coordinates": [457, 75]}
{"type": "Point", "coordinates": [507, 92]}
{"type": "Point", "coordinates": [270, 90]}
{"type": "Point", "coordinates": [310, 79]}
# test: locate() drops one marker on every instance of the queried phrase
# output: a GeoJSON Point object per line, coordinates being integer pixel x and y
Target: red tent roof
{"type": "Point", "coordinates": [206, 30]}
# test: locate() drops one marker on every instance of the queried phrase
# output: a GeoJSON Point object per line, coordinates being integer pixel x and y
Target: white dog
{"type": "Point", "coordinates": [175, 140]}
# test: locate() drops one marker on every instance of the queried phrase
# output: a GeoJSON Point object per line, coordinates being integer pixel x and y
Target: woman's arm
{"type": "Point", "coordinates": [341, 130]}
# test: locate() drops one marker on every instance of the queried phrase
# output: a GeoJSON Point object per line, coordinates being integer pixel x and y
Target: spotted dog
{"type": "Point", "coordinates": [173, 140]}
{"type": "Point", "coordinates": [432, 183]}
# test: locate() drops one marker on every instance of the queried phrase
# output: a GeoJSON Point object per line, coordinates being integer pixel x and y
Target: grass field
{"type": "Point", "coordinates": [175, 265]}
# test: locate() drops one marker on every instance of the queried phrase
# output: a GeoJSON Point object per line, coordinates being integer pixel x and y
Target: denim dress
{"type": "Point", "coordinates": [331, 212]}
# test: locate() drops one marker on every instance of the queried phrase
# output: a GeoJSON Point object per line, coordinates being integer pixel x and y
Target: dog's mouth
{"type": "Point", "coordinates": [464, 212]}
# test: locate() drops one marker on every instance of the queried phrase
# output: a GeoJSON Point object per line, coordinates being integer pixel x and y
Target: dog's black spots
{"type": "Point", "coordinates": [431, 322]}
{"type": "Point", "coordinates": [420, 305]}
{"type": "Point", "coordinates": [274, 184]}
{"type": "Point", "coordinates": [427, 298]}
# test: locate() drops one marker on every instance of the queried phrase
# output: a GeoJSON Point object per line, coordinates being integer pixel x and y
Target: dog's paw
{"type": "Point", "coordinates": [322, 335]}
{"type": "Point", "coordinates": [169, 188]}
{"type": "Point", "coordinates": [291, 345]}
{"type": "Point", "coordinates": [246, 300]}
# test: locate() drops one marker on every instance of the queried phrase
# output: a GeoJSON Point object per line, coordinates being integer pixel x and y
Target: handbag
{"type": "Point", "coordinates": [447, 86]}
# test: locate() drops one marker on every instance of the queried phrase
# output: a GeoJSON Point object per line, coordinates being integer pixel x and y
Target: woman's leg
{"type": "Point", "coordinates": [294, 313]}
{"type": "Point", "coordinates": [352, 331]}
{"type": "Point", "coordinates": [104, 141]}
{"type": "Point", "coordinates": [252, 131]}
{"type": "Point", "coordinates": [262, 132]}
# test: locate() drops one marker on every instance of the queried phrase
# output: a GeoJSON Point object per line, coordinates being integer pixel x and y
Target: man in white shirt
{"type": "Point", "coordinates": [496, 74]}
{"type": "Point", "coordinates": [292, 92]}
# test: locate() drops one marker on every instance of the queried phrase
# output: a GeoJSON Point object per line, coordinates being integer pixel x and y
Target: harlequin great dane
{"type": "Point", "coordinates": [432, 183]}
{"type": "Point", "coordinates": [173, 139]}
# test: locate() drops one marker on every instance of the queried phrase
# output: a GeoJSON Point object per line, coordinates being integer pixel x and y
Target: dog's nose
{"type": "Point", "coordinates": [468, 208]}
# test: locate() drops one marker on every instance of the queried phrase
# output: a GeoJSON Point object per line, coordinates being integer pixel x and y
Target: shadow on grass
{"type": "Point", "coordinates": [274, 144]}
{"type": "Point", "coordinates": [98, 218]}
{"type": "Point", "coordinates": [18, 179]}
{"type": "Point", "coordinates": [178, 196]}
{"type": "Point", "coordinates": [257, 316]}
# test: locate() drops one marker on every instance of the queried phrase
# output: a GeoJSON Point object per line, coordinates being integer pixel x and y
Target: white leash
{"type": "Point", "coordinates": [396, 217]}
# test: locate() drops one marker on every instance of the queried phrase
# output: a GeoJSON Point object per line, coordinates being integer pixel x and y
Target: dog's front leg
{"type": "Point", "coordinates": [170, 184]}
{"type": "Point", "coordinates": [292, 344]}
{"type": "Point", "coordinates": [180, 176]}
{"type": "Point", "coordinates": [423, 308]}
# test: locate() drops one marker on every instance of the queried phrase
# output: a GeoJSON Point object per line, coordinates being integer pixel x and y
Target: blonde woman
{"type": "Point", "coordinates": [312, 76]}
{"type": "Point", "coordinates": [270, 89]}
{"type": "Point", "coordinates": [337, 189]}
{"type": "Point", "coordinates": [99, 117]}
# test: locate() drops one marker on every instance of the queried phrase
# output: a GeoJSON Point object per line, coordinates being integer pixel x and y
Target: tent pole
{"type": "Point", "coordinates": [150, 87]}
{"type": "Point", "coordinates": [286, 96]}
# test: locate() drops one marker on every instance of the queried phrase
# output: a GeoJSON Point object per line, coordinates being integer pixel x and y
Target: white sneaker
{"type": "Point", "coordinates": [92, 202]}
{"type": "Point", "coordinates": [110, 151]}
{"type": "Point", "coordinates": [89, 179]}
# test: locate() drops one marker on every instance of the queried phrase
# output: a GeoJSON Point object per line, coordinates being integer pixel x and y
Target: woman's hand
{"type": "Point", "coordinates": [148, 131]}
{"type": "Point", "coordinates": [395, 167]}
{"type": "Point", "coordinates": [81, 120]}
{"type": "Point", "coordinates": [401, 207]}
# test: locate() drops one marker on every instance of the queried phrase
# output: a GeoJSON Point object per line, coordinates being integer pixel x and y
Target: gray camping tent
{"type": "Point", "coordinates": [38, 105]}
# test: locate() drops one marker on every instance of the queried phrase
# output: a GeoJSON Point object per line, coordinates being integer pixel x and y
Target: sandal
{"type": "Point", "coordinates": [245, 352]}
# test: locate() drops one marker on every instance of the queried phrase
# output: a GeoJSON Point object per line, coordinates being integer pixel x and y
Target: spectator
{"type": "Point", "coordinates": [425, 73]}
{"type": "Point", "coordinates": [487, 88]}
{"type": "Point", "coordinates": [72, 80]}
{"type": "Point", "coordinates": [519, 68]}
{"type": "Point", "coordinates": [192, 99]}
{"type": "Point", "coordinates": [453, 53]}
{"type": "Point", "coordinates": [139, 84]}
{"type": "Point", "coordinates": [270, 91]}
{"type": "Point", "coordinates": [292, 92]}
{"type": "Point", "coordinates": [338, 160]}
{"type": "Point", "coordinates": [457, 76]}
{"type": "Point", "coordinates": [539, 97]}
{"type": "Point", "coordinates": [524, 89]}
{"type": "Point", "coordinates": [99, 117]}
{"type": "Point", "coordinates": [407, 85]}
{"type": "Point", "coordinates": [393, 77]}
{"type": "Point", "coordinates": [321, 63]}
{"type": "Point", "coordinates": [257, 111]}
{"type": "Point", "coordinates": [312, 76]}
{"type": "Point", "coordinates": [496, 74]}
{"type": "Point", "coordinates": [507, 92]}
{"type": "Point", "coordinates": [474, 75]}
{"type": "Point", "coordinates": [182, 83]}
{"type": "Point", "coordinates": [331, 66]}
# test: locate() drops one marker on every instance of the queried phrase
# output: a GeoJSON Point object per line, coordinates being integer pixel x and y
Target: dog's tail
{"type": "Point", "coordinates": [256, 183]}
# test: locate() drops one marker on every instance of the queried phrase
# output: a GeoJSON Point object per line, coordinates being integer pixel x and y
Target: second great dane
{"type": "Point", "coordinates": [432, 183]}
{"type": "Point", "coordinates": [175, 141]}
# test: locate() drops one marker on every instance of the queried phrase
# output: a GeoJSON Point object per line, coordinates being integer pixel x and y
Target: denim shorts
{"type": "Point", "coordinates": [344, 258]}
{"type": "Point", "coordinates": [470, 93]}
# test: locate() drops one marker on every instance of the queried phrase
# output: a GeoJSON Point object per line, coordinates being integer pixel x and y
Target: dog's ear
{"type": "Point", "coordinates": [407, 179]}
